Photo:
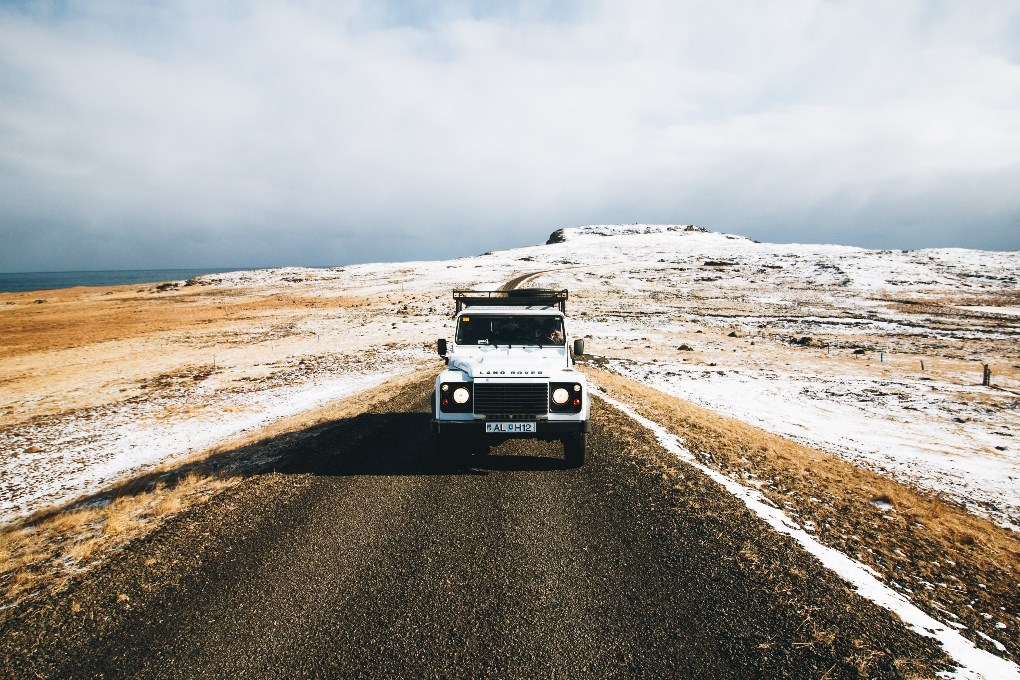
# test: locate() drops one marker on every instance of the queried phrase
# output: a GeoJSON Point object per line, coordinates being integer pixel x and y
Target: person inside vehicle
{"type": "Point", "coordinates": [548, 333]}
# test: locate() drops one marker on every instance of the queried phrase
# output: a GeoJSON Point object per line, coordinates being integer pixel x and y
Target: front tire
{"type": "Point", "coordinates": [575, 447]}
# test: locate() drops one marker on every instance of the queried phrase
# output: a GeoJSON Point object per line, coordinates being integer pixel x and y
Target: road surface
{"type": "Point", "coordinates": [358, 556]}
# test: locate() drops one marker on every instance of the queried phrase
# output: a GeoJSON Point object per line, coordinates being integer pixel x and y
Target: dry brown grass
{"type": "Point", "coordinates": [950, 559]}
{"type": "Point", "coordinates": [75, 317]}
{"type": "Point", "coordinates": [43, 552]}
{"type": "Point", "coordinates": [948, 306]}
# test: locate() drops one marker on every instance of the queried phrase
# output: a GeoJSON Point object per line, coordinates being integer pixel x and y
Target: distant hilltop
{"type": "Point", "coordinates": [562, 235]}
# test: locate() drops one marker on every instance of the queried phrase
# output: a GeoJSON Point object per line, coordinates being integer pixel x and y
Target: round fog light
{"type": "Point", "coordinates": [461, 395]}
{"type": "Point", "coordinates": [560, 395]}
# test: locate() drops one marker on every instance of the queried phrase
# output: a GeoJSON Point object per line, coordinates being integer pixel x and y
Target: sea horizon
{"type": "Point", "coordinates": [26, 282]}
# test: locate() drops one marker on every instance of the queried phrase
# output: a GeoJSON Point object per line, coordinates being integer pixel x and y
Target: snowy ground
{"type": "Point", "coordinates": [57, 459]}
{"type": "Point", "coordinates": [953, 439]}
{"type": "Point", "coordinates": [875, 356]}
{"type": "Point", "coordinates": [821, 343]}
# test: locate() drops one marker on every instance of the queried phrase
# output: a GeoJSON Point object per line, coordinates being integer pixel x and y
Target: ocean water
{"type": "Point", "coordinates": [18, 283]}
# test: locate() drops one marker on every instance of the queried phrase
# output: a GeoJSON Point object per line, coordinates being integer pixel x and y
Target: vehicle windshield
{"type": "Point", "coordinates": [492, 329]}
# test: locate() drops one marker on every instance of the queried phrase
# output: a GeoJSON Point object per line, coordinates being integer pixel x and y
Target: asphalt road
{"type": "Point", "coordinates": [360, 557]}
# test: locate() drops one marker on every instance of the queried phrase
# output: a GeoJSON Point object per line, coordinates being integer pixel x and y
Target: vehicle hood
{"type": "Point", "coordinates": [486, 362]}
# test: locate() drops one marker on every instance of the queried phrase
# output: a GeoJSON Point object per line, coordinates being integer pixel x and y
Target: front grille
{"type": "Point", "coordinates": [511, 398]}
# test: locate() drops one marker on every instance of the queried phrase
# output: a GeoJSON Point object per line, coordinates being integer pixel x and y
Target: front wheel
{"type": "Point", "coordinates": [575, 447]}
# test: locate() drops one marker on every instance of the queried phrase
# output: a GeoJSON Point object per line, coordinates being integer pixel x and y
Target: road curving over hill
{"type": "Point", "coordinates": [358, 555]}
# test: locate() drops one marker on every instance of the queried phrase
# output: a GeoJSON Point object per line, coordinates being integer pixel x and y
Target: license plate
{"type": "Point", "coordinates": [511, 428]}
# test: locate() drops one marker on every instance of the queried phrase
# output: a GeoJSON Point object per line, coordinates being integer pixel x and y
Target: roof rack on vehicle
{"type": "Point", "coordinates": [520, 297]}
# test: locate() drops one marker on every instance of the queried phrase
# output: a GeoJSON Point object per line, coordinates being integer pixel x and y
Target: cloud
{"type": "Point", "coordinates": [207, 134]}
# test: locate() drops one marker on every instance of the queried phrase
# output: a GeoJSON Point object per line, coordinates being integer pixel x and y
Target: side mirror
{"type": "Point", "coordinates": [578, 347]}
{"type": "Point", "coordinates": [441, 346]}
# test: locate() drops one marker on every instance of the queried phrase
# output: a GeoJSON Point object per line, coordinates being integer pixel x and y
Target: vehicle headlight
{"type": "Point", "coordinates": [560, 395]}
{"type": "Point", "coordinates": [461, 395]}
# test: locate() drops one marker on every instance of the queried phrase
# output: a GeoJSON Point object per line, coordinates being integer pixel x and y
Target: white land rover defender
{"type": "Point", "coordinates": [510, 374]}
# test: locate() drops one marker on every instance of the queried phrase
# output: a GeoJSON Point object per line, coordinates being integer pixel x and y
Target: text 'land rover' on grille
{"type": "Point", "coordinates": [510, 373]}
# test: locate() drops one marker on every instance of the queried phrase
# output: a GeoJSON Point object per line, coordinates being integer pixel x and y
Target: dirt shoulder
{"type": "Point", "coordinates": [957, 567]}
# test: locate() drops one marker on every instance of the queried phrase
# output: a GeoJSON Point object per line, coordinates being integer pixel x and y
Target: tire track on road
{"type": "Point", "coordinates": [522, 279]}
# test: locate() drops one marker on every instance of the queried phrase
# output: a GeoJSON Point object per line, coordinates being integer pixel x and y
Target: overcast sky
{"type": "Point", "coordinates": [205, 134]}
